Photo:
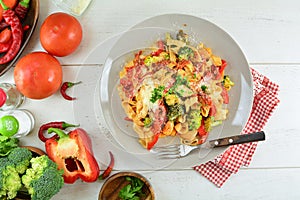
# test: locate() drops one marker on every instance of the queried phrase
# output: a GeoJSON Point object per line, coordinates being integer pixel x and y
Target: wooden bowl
{"type": "Point", "coordinates": [116, 182]}
{"type": "Point", "coordinates": [35, 151]}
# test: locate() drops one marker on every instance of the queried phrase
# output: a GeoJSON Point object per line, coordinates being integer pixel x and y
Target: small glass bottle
{"type": "Point", "coordinates": [16, 123]}
{"type": "Point", "coordinates": [10, 97]}
{"type": "Point", "coordinates": [74, 7]}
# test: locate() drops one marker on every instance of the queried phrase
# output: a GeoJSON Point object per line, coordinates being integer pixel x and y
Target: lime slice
{"type": "Point", "coordinates": [9, 125]}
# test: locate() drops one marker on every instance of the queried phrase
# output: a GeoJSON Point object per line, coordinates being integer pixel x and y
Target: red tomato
{"type": "Point", "coordinates": [9, 3]}
{"type": "Point", "coordinates": [60, 34]}
{"type": "Point", "coordinates": [38, 75]}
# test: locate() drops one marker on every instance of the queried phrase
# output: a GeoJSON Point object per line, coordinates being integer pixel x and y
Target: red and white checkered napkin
{"type": "Point", "coordinates": [265, 100]}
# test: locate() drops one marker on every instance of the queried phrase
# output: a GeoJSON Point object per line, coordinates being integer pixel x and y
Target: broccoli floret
{"type": "Point", "coordinates": [148, 122]}
{"type": "Point", "coordinates": [7, 144]}
{"type": "Point", "coordinates": [43, 180]}
{"type": "Point", "coordinates": [20, 157]}
{"type": "Point", "coordinates": [184, 53]}
{"type": "Point", "coordinates": [174, 111]}
{"type": "Point", "coordinates": [194, 119]}
{"type": "Point", "coordinates": [157, 93]}
{"type": "Point", "coordinates": [148, 60]}
{"type": "Point", "coordinates": [10, 181]}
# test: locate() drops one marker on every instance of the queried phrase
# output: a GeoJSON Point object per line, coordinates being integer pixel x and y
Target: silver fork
{"type": "Point", "coordinates": [181, 150]}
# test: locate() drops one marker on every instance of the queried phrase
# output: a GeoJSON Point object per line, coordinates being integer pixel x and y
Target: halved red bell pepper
{"type": "Point", "coordinates": [73, 153]}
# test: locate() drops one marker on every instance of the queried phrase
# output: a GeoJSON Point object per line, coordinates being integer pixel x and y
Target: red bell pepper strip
{"type": "Point", "coordinates": [110, 167]}
{"type": "Point", "coordinates": [222, 67]}
{"type": "Point", "coordinates": [202, 133]}
{"type": "Point", "coordinates": [74, 155]}
{"type": "Point", "coordinates": [151, 144]}
{"type": "Point", "coordinates": [45, 127]}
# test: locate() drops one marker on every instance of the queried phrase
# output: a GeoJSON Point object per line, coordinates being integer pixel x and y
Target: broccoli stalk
{"type": "Point", "coordinates": [43, 180]}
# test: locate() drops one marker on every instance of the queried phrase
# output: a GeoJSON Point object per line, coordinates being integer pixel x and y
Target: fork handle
{"type": "Point", "coordinates": [238, 139]}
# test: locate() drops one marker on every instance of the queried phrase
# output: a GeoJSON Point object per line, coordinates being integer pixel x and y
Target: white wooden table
{"type": "Point", "coordinates": [269, 34]}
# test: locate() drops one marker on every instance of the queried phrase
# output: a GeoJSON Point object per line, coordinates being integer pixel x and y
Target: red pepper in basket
{"type": "Point", "coordinates": [73, 153]}
{"type": "Point", "coordinates": [22, 9]}
{"type": "Point", "coordinates": [17, 33]}
{"type": "Point", "coordinates": [110, 167]}
{"type": "Point", "coordinates": [5, 36]}
{"type": "Point", "coordinates": [45, 127]}
{"type": "Point", "coordinates": [64, 88]}
{"type": "Point", "coordinates": [4, 47]}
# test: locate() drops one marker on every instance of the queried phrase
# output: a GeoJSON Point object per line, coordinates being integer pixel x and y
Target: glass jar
{"type": "Point", "coordinates": [16, 123]}
{"type": "Point", "coordinates": [74, 7]}
{"type": "Point", "coordinates": [10, 97]}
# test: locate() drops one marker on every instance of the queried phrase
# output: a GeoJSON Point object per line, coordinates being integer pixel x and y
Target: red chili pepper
{"type": "Point", "coordinates": [45, 127]}
{"type": "Point", "coordinates": [73, 154]}
{"type": "Point", "coordinates": [108, 170]}
{"type": "Point", "coordinates": [64, 88]}
{"type": "Point", "coordinates": [22, 9]}
{"type": "Point", "coordinates": [26, 27]}
{"type": "Point", "coordinates": [17, 33]}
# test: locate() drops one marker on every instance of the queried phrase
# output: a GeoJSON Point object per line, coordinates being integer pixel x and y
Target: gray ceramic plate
{"type": "Point", "coordinates": [123, 143]}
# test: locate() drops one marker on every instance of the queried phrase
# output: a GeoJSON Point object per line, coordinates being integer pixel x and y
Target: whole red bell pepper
{"type": "Point", "coordinates": [73, 153]}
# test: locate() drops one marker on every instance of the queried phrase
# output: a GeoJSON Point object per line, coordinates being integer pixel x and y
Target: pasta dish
{"type": "Point", "coordinates": [174, 89]}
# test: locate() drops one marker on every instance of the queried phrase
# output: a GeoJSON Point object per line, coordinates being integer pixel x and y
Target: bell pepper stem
{"type": "Point", "coordinates": [71, 84]}
{"type": "Point", "coordinates": [24, 3]}
{"type": "Point", "coordinates": [59, 132]}
{"type": "Point", "coordinates": [67, 125]}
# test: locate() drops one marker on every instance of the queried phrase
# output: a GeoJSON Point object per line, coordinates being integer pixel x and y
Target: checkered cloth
{"type": "Point", "coordinates": [265, 101]}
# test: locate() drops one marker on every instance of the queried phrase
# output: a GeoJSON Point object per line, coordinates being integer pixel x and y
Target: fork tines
{"type": "Point", "coordinates": [167, 152]}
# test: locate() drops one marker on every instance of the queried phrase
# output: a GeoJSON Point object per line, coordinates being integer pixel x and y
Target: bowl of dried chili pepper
{"type": "Point", "coordinates": [18, 21]}
{"type": "Point", "coordinates": [126, 185]}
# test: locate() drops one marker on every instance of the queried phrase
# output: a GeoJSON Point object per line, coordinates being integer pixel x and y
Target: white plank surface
{"type": "Point", "coordinates": [267, 31]}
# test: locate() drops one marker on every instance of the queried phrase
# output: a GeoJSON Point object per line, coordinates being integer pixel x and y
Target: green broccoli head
{"type": "Point", "coordinates": [43, 180]}
{"type": "Point", "coordinates": [194, 119]}
{"type": "Point", "coordinates": [10, 181]}
{"type": "Point", "coordinates": [184, 53]}
{"type": "Point", "coordinates": [20, 157]}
